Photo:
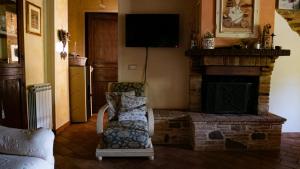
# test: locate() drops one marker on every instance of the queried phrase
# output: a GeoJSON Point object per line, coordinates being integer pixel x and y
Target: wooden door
{"type": "Point", "coordinates": [102, 53]}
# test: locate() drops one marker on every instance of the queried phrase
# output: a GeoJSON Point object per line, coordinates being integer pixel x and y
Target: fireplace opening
{"type": "Point", "coordinates": [230, 94]}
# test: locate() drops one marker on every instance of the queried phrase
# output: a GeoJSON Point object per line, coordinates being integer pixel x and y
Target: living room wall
{"type": "Point", "coordinates": [285, 84]}
{"type": "Point", "coordinates": [167, 75]}
{"type": "Point", "coordinates": [57, 67]}
{"type": "Point", "coordinates": [34, 51]}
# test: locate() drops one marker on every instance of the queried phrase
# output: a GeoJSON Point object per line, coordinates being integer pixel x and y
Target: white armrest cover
{"type": "Point", "coordinates": [150, 121]}
{"type": "Point", "coordinates": [37, 143]}
{"type": "Point", "coordinates": [100, 118]}
{"type": "Point", "coordinates": [23, 162]}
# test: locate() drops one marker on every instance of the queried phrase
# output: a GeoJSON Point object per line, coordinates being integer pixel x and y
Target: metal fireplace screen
{"type": "Point", "coordinates": [230, 94]}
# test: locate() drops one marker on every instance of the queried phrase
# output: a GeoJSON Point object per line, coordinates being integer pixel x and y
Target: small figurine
{"type": "Point", "coordinates": [266, 36]}
{"type": "Point", "coordinates": [272, 44]}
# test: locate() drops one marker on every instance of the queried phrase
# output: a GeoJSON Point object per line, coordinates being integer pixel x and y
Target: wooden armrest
{"type": "Point", "coordinates": [100, 118]}
{"type": "Point", "coordinates": [150, 121]}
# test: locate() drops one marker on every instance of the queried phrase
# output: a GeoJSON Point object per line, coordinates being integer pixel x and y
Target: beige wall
{"type": "Point", "coordinates": [167, 67]}
{"type": "Point", "coordinates": [77, 9]}
{"type": "Point", "coordinates": [61, 66]}
{"type": "Point", "coordinates": [285, 84]}
{"type": "Point", "coordinates": [57, 67]}
{"type": "Point", "coordinates": [34, 51]}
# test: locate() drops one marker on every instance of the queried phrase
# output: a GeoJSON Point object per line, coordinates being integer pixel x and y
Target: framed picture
{"type": "Point", "coordinates": [13, 56]}
{"type": "Point", "coordinates": [33, 19]}
{"type": "Point", "coordinates": [288, 4]}
{"type": "Point", "coordinates": [237, 18]}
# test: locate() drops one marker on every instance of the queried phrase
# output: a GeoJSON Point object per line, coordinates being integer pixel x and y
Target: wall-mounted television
{"type": "Point", "coordinates": [152, 30]}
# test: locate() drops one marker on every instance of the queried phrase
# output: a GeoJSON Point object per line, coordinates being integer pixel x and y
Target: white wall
{"type": "Point", "coordinates": [285, 84]}
{"type": "Point", "coordinates": [168, 68]}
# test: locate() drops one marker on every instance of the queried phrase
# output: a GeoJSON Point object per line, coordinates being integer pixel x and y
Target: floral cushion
{"type": "Point", "coordinates": [132, 103]}
{"type": "Point", "coordinates": [113, 100]}
{"type": "Point", "coordinates": [128, 86]}
{"type": "Point", "coordinates": [133, 116]}
{"type": "Point", "coordinates": [126, 134]}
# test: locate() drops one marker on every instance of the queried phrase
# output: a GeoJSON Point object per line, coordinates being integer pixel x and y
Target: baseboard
{"type": "Point", "coordinates": [62, 128]}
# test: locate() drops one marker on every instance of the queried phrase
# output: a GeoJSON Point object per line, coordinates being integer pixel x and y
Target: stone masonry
{"type": "Point", "coordinates": [235, 132]}
{"type": "Point", "coordinates": [171, 127]}
{"type": "Point", "coordinates": [210, 132]}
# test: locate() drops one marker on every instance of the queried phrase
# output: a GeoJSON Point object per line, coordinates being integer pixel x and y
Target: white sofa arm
{"type": "Point", "coordinates": [100, 118]}
{"type": "Point", "coordinates": [150, 121]}
{"type": "Point", "coordinates": [33, 143]}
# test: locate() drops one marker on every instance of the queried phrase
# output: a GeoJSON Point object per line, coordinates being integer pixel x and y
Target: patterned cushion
{"type": "Point", "coordinates": [113, 100]}
{"type": "Point", "coordinates": [128, 86]}
{"type": "Point", "coordinates": [126, 134]}
{"type": "Point", "coordinates": [132, 116]}
{"type": "Point", "coordinates": [131, 103]}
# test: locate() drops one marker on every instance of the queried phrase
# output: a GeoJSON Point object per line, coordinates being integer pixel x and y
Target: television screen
{"type": "Point", "coordinates": [152, 30]}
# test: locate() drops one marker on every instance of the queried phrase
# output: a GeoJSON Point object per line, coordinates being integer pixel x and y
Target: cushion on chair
{"type": "Point", "coordinates": [132, 103]}
{"type": "Point", "coordinates": [128, 86]}
{"type": "Point", "coordinates": [132, 108]}
{"type": "Point", "coordinates": [113, 100]}
{"type": "Point", "coordinates": [126, 134]}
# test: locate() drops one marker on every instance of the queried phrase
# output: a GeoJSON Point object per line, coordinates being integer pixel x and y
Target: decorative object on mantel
{"type": "Point", "coordinates": [63, 36]}
{"type": "Point", "coordinates": [266, 36]}
{"type": "Point", "coordinates": [194, 41]}
{"type": "Point", "coordinates": [208, 41]}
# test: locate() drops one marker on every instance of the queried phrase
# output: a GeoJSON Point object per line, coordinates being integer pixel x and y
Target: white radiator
{"type": "Point", "coordinates": [40, 106]}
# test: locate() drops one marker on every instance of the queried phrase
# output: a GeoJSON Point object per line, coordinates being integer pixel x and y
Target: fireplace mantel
{"type": "Point", "coordinates": [237, 52]}
{"type": "Point", "coordinates": [234, 59]}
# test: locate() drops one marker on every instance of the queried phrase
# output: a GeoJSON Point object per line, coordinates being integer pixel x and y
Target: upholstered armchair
{"type": "Point", "coordinates": [125, 124]}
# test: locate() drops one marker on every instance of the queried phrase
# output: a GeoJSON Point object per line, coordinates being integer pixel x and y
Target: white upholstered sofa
{"type": "Point", "coordinates": [26, 149]}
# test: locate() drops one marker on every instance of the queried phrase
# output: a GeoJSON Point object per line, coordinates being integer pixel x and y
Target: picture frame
{"type": "Point", "coordinates": [288, 4]}
{"type": "Point", "coordinates": [237, 18]}
{"type": "Point", "coordinates": [13, 56]}
{"type": "Point", "coordinates": [33, 19]}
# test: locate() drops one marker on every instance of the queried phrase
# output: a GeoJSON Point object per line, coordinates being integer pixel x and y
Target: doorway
{"type": "Point", "coordinates": [101, 41]}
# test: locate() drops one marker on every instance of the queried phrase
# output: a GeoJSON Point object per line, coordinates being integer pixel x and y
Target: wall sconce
{"type": "Point", "coordinates": [63, 36]}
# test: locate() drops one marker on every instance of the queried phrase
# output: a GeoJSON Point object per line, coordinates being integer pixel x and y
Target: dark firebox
{"type": "Point", "coordinates": [230, 94]}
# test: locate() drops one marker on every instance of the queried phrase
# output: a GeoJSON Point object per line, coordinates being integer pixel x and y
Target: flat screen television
{"type": "Point", "coordinates": [152, 30]}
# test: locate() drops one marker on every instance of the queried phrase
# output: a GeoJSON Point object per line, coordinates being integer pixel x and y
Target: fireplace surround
{"type": "Point", "coordinates": [229, 99]}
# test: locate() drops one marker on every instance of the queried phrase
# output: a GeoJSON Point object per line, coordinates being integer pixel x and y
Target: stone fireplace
{"type": "Point", "coordinates": [229, 99]}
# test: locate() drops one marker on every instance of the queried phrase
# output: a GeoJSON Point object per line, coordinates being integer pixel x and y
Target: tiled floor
{"type": "Point", "coordinates": [75, 149]}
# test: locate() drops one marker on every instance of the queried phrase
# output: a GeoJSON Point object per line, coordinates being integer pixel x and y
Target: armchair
{"type": "Point", "coordinates": [125, 138]}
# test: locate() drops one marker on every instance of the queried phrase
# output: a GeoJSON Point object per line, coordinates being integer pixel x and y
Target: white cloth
{"type": "Point", "coordinates": [27, 143]}
{"type": "Point", "coordinates": [23, 162]}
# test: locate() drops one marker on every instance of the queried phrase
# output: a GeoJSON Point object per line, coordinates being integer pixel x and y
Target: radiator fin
{"type": "Point", "coordinates": [40, 106]}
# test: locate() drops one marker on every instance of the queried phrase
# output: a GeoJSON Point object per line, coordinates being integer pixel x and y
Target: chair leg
{"type": "Point", "coordinates": [151, 157]}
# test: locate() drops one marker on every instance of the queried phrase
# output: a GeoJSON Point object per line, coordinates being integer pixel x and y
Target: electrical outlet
{"type": "Point", "coordinates": [132, 67]}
